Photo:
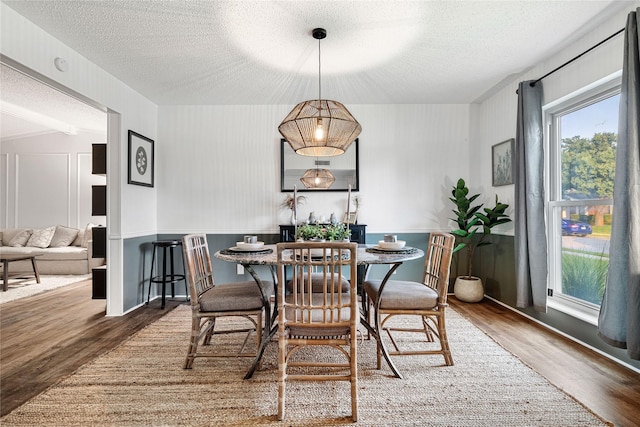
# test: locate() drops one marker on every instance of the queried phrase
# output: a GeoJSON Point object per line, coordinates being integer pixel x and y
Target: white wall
{"type": "Point", "coordinates": [48, 180]}
{"type": "Point", "coordinates": [221, 168]}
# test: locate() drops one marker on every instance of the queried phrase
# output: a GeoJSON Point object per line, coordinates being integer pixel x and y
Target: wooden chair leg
{"type": "Point", "coordinates": [282, 373]}
{"type": "Point", "coordinates": [444, 341]}
{"type": "Point", "coordinates": [354, 382]}
{"type": "Point", "coordinates": [193, 343]}
{"type": "Point", "coordinates": [211, 324]}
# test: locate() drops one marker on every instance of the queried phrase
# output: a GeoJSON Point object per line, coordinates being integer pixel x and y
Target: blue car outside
{"type": "Point", "coordinates": [575, 228]}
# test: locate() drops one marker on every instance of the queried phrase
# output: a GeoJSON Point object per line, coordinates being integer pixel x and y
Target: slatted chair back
{"type": "Point", "coordinates": [198, 260]}
{"type": "Point", "coordinates": [437, 264]}
{"type": "Point", "coordinates": [317, 310]}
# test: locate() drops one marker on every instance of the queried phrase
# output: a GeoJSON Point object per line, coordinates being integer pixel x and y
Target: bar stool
{"type": "Point", "coordinates": [172, 278]}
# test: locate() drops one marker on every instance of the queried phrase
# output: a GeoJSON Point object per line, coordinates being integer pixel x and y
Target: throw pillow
{"type": "Point", "coordinates": [88, 235]}
{"type": "Point", "coordinates": [21, 238]}
{"type": "Point", "coordinates": [9, 233]}
{"type": "Point", "coordinates": [79, 240]}
{"type": "Point", "coordinates": [40, 238]}
{"type": "Point", "coordinates": [63, 236]}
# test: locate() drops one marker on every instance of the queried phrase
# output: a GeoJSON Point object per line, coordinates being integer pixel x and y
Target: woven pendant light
{"type": "Point", "coordinates": [317, 179]}
{"type": "Point", "coordinates": [319, 127]}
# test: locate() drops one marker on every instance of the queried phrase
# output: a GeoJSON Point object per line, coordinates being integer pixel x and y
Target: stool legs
{"type": "Point", "coordinates": [166, 277]}
{"type": "Point", "coordinates": [153, 259]}
{"type": "Point", "coordinates": [173, 288]}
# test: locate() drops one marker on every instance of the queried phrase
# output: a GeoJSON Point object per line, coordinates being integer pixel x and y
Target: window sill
{"type": "Point", "coordinates": [584, 311]}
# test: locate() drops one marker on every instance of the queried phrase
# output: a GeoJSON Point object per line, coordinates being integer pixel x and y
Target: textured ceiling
{"type": "Point", "coordinates": [23, 92]}
{"type": "Point", "coordinates": [189, 52]}
{"type": "Point", "coordinates": [262, 52]}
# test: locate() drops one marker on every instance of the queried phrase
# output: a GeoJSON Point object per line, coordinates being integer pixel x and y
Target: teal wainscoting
{"type": "Point", "coordinates": [495, 264]}
{"type": "Point", "coordinates": [137, 261]}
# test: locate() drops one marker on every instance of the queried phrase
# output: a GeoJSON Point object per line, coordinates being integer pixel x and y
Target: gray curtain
{"type": "Point", "coordinates": [619, 322]}
{"type": "Point", "coordinates": [530, 237]}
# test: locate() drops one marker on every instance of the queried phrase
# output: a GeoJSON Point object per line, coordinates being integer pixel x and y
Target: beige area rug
{"type": "Point", "coordinates": [142, 383]}
{"type": "Point", "coordinates": [30, 287]}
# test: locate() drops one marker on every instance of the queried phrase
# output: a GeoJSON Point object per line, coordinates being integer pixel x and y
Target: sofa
{"type": "Point", "coordinates": [62, 250]}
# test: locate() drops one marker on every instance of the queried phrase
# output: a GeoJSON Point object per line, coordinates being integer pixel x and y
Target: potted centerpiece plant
{"type": "Point", "coordinates": [474, 226]}
{"type": "Point", "coordinates": [323, 232]}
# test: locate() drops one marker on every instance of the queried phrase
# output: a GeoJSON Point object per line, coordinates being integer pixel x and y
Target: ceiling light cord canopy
{"type": "Point", "coordinates": [317, 179]}
{"type": "Point", "coordinates": [319, 127]}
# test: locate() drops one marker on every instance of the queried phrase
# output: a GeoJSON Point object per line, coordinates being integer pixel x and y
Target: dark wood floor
{"type": "Point", "coordinates": [47, 337]}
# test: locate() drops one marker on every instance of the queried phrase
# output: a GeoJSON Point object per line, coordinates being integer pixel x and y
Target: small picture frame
{"type": "Point", "coordinates": [502, 159]}
{"type": "Point", "coordinates": [140, 154]}
{"type": "Point", "coordinates": [350, 218]}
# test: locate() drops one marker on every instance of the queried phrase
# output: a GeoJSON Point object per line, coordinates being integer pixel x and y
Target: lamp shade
{"type": "Point", "coordinates": [317, 179]}
{"type": "Point", "coordinates": [320, 128]}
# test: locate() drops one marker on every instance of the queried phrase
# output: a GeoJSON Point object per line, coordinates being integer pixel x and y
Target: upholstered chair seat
{"type": "Point", "coordinates": [234, 297]}
{"type": "Point", "coordinates": [400, 294]}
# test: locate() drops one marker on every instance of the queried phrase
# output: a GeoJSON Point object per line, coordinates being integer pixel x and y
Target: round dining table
{"type": "Point", "coordinates": [368, 255]}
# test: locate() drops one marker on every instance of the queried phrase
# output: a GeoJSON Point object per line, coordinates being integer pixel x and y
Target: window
{"type": "Point", "coordinates": [581, 163]}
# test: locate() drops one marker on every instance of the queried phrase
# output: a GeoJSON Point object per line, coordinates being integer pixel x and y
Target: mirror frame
{"type": "Point", "coordinates": [284, 146]}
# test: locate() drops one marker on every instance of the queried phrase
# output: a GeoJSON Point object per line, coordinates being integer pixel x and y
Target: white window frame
{"type": "Point", "coordinates": [581, 98]}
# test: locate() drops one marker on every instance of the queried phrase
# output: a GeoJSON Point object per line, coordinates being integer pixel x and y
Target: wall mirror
{"type": "Point", "coordinates": [344, 168]}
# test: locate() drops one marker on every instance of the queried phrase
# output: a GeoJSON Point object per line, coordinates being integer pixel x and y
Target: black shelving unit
{"type": "Point", "coordinates": [99, 208]}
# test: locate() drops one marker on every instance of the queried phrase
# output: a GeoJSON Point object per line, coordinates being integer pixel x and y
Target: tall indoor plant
{"type": "Point", "coordinates": [473, 227]}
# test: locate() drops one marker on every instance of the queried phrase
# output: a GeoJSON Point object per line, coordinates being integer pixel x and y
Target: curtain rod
{"type": "Point", "coordinates": [533, 83]}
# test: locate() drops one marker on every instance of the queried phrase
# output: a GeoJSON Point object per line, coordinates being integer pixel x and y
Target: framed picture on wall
{"type": "Point", "coordinates": [140, 154]}
{"type": "Point", "coordinates": [502, 159]}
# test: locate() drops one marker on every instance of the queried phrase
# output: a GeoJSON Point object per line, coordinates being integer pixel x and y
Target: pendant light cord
{"type": "Point", "coordinates": [319, 73]}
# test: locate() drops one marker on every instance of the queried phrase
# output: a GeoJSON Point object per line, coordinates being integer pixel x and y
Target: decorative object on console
{"type": "Point", "coordinates": [140, 171]}
{"type": "Point", "coordinates": [291, 202]}
{"type": "Point", "coordinates": [357, 201]}
{"type": "Point", "coordinates": [319, 127]}
{"type": "Point", "coordinates": [350, 217]}
{"type": "Point", "coordinates": [470, 221]}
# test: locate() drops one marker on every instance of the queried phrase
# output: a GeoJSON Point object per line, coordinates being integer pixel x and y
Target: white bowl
{"type": "Point", "coordinates": [249, 246]}
{"type": "Point", "coordinates": [391, 245]}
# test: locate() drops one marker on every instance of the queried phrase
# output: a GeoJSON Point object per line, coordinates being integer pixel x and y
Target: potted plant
{"type": "Point", "coordinates": [323, 232]}
{"type": "Point", "coordinates": [473, 227]}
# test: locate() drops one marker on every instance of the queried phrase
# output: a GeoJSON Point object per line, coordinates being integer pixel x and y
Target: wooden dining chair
{"type": "Point", "coordinates": [317, 311]}
{"type": "Point", "coordinates": [427, 299]}
{"type": "Point", "coordinates": [210, 301]}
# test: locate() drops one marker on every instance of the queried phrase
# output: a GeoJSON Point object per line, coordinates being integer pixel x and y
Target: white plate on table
{"type": "Point", "coordinates": [378, 248]}
{"type": "Point", "coordinates": [391, 246]}
{"type": "Point", "coordinates": [248, 247]}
